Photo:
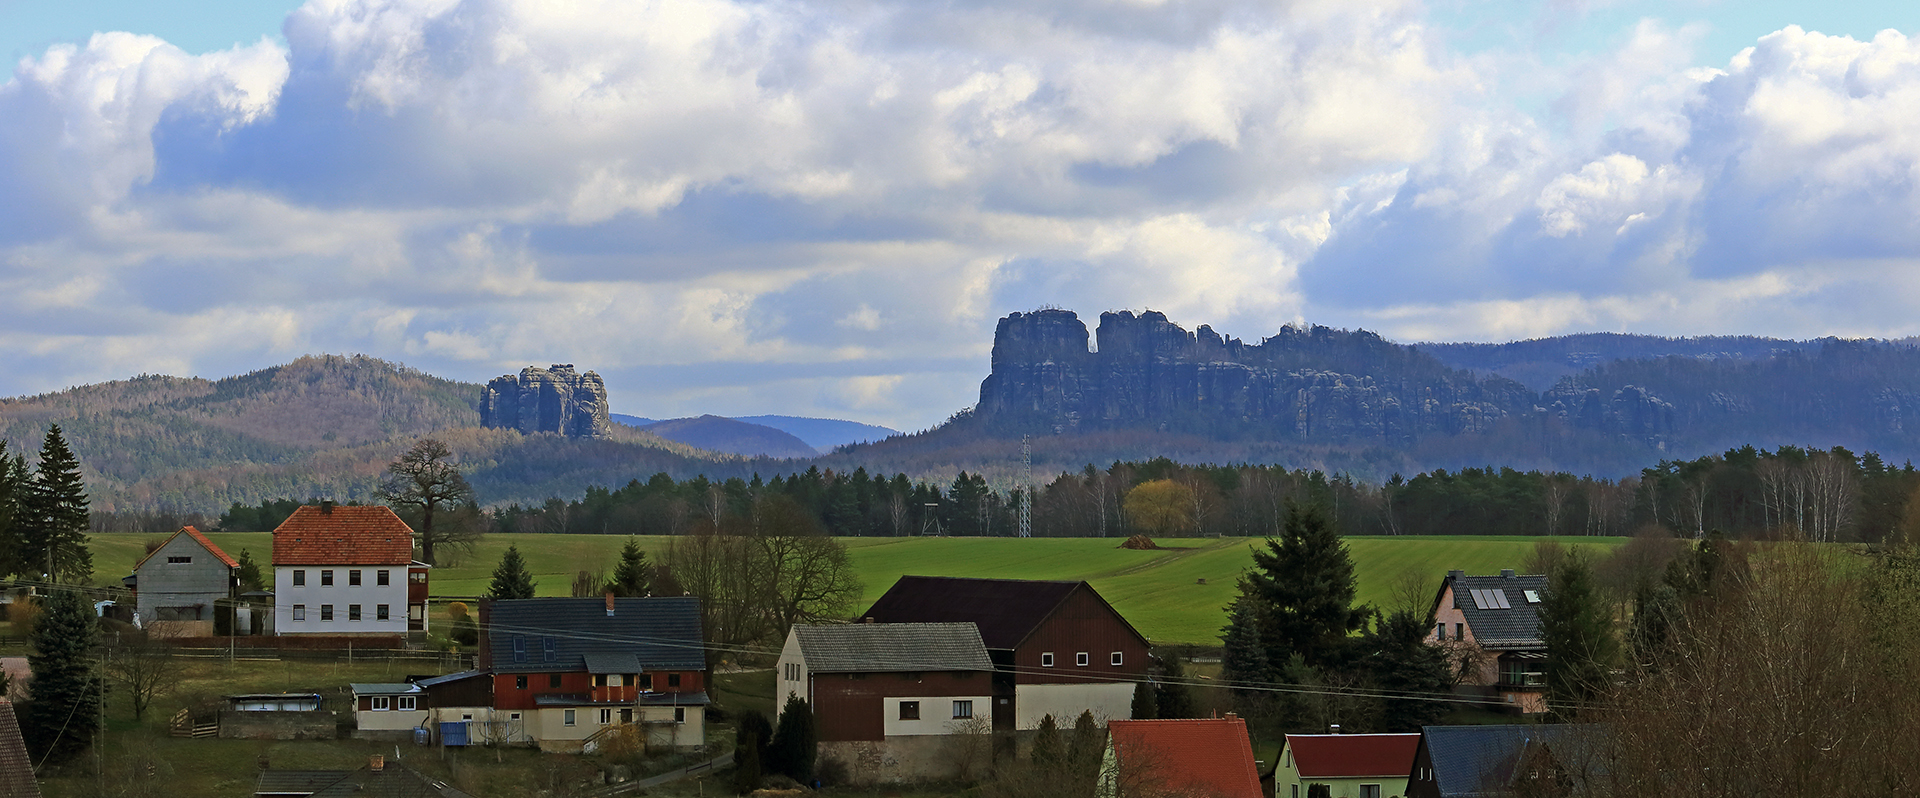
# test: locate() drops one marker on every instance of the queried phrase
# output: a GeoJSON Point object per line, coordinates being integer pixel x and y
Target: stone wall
{"type": "Point", "coordinates": [319, 724]}
{"type": "Point", "coordinates": [912, 759]}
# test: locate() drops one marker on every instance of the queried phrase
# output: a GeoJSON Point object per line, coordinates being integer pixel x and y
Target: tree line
{"type": "Point", "coordinates": [1746, 492]}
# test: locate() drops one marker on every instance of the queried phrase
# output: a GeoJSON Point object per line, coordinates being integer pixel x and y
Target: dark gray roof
{"type": "Point", "coordinates": [364, 688]}
{"type": "Point", "coordinates": [880, 647]}
{"type": "Point", "coordinates": [434, 681]}
{"type": "Point", "coordinates": [612, 662]}
{"type": "Point", "coordinates": [1480, 760]}
{"type": "Point", "coordinates": [556, 634]}
{"type": "Point", "coordinates": [295, 782]}
{"type": "Point", "coordinates": [1516, 625]}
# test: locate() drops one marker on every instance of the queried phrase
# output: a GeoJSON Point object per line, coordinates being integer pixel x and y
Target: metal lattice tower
{"type": "Point", "coordinates": [1026, 488]}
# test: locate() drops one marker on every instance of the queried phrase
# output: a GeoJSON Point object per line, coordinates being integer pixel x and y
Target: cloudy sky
{"type": "Point", "coordinates": [820, 207]}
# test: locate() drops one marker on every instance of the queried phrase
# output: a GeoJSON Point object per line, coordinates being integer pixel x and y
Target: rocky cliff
{"type": "Point", "coordinates": [1316, 385]}
{"type": "Point", "coordinates": [553, 399]}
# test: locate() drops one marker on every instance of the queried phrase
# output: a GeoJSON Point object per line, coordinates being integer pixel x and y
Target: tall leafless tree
{"type": "Point", "coordinates": [426, 481]}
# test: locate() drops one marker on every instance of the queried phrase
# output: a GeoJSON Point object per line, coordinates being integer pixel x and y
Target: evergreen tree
{"type": "Point", "coordinates": [64, 710]}
{"type": "Point", "coordinates": [1047, 747]}
{"type": "Point", "coordinates": [1578, 631]}
{"type": "Point", "coordinates": [1400, 662]}
{"type": "Point", "coordinates": [795, 742]}
{"type": "Point", "coordinates": [248, 573]}
{"type": "Point", "coordinates": [1306, 585]}
{"type": "Point", "coordinates": [13, 486]}
{"type": "Point", "coordinates": [511, 580]}
{"type": "Point", "coordinates": [1144, 705]}
{"type": "Point", "coordinates": [1243, 658]}
{"type": "Point", "coordinates": [1084, 750]}
{"type": "Point", "coordinates": [750, 741]}
{"type": "Point", "coordinates": [1172, 695]}
{"type": "Point", "coordinates": [54, 512]}
{"type": "Point", "coordinates": [634, 575]}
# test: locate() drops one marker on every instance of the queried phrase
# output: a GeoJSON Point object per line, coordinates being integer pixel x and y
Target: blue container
{"type": "Point", "coordinates": [419, 735]}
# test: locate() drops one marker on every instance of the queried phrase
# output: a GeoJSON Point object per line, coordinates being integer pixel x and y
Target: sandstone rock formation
{"type": "Point", "coordinates": [1311, 385]}
{"type": "Point", "coordinates": [554, 399]}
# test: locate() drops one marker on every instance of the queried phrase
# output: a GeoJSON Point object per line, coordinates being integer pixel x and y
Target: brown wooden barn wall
{"type": "Point", "coordinates": [1082, 623]}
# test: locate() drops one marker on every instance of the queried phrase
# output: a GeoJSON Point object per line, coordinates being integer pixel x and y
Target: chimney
{"type": "Point", "coordinates": [609, 604]}
{"type": "Point", "coordinates": [377, 762]}
{"type": "Point", "coordinates": [326, 507]}
{"type": "Point", "coordinates": [1333, 729]}
{"type": "Point", "coordinates": [1456, 574]}
{"type": "Point", "coordinates": [1506, 573]}
{"type": "Point", "coordinates": [1231, 716]}
{"type": "Point", "coordinates": [868, 619]}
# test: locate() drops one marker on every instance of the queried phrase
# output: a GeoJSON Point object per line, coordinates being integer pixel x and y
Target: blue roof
{"type": "Point", "coordinates": [557, 634]}
{"type": "Point", "coordinates": [1480, 760]}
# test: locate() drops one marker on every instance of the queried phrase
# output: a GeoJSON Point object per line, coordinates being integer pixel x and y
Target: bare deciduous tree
{"type": "Point", "coordinates": [144, 665]}
{"type": "Point", "coordinates": [425, 480]}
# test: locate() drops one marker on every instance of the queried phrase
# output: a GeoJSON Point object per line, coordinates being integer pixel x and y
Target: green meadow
{"type": "Point", "coordinates": [1175, 595]}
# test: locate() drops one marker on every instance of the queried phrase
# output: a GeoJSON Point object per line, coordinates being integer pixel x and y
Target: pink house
{"type": "Point", "coordinates": [1490, 627]}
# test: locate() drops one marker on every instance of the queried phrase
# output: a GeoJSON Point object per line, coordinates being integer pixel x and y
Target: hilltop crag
{"type": "Point", "coordinates": [1312, 385]}
{"type": "Point", "coordinates": [554, 399]}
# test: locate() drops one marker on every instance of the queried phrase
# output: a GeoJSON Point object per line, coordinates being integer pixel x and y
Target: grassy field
{"type": "Point", "coordinates": [1175, 595]}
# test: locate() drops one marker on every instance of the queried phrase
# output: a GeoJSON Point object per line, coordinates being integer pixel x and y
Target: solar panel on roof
{"type": "Point", "coordinates": [1500, 598]}
{"type": "Point", "coordinates": [1480, 599]}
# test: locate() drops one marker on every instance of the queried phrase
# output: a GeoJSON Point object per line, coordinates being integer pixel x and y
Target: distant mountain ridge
{"type": "Point", "coordinates": [717, 434]}
{"type": "Point", "coordinates": [817, 434]}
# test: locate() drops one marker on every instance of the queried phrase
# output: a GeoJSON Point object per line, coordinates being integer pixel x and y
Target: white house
{"type": "Point", "coordinates": [347, 570]}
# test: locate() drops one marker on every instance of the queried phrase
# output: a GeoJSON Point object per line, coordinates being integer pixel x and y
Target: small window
{"type": "Point", "coordinates": [381, 612]}
{"type": "Point", "coordinates": [380, 703]}
{"type": "Point", "coordinates": [599, 680]}
{"type": "Point", "coordinates": [353, 612]}
{"type": "Point", "coordinates": [513, 716]}
{"type": "Point", "coordinates": [1080, 659]}
{"type": "Point", "coordinates": [553, 681]}
{"type": "Point", "coordinates": [909, 710]}
{"type": "Point", "coordinates": [1459, 631]}
{"type": "Point", "coordinates": [417, 577]}
{"type": "Point", "coordinates": [519, 649]}
{"type": "Point", "coordinates": [679, 714]}
{"type": "Point", "coordinates": [299, 577]}
{"type": "Point", "coordinates": [1369, 791]}
{"type": "Point", "coordinates": [1533, 596]}
{"type": "Point", "coordinates": [520, 682]}
{"type": "Point", "coordinates": [326, 577]}
{"type": "Point", "coordinates": [406, 703]}
{"type": "Point", "coordinates": [381, 577]}
{"type": "Point", "coordinates": [1440, 631]}
{"type": "Point", "coordinates": [548, 648]}
{"type": "Point", "coordinates": [606, 717]}
{"type": "Point", "coordinates": [566, 718]}
{"type": "Point", "coordinates": [353, 577]}
{"type": "Point", "coordinates": [1116, 659]}
{"type": "Point", "coordinates": [179, 560]}
{"type": "Point", "coordinates": [1046, 659]}
{"type": "Point", "coordinates": [673, 680]}
{"type": "Point", "coordinates": [962, 709]}
{"type": "Point", "coordinates": [299, 612]}
{"type": "Point", "coordinates": [646, 681]}
{"type": "Point", "coordinates": [326, 612]}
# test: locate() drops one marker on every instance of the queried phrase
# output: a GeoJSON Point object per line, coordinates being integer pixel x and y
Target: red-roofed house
{"type": "Point", "coordinates": [1351, 765]}
{"type": "Point", "coordinates": [179, 584]}
{"type": "Point", "coordinates": [347, 570]}
{"type": "Point", "coordinates": [1203, 758]}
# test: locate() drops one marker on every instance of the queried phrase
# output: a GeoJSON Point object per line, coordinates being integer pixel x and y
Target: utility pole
{"type": "Point", "coordinates": [1026, 488]}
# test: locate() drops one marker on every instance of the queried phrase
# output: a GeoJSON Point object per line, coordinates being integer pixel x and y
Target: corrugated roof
{"type": "Point", "coordinates": [1480, 760]}
{"type": "Point", "coordinates": [1516, 625]}
{"type": "Point", "coordinates": [16, 768]}
{"type": "Point", "coordinates": [1206, 756]}
{"type": "Point", "coordinates": [892, 647]}
{"type": "Point", "coordinates": [1339, 756]}
{"type": "Point", "coordinates": [1005, 610]}
{"type": "Point", "coordinates": [343, 536]}
{"type": "Point", "coordinates": [556, 634]}
{"type": "Point", "coordinates": [435, 681]}
{"type": "Point", "coordinates": [198, 538]}
{"type": "Point", "coordinates": [362, 688]}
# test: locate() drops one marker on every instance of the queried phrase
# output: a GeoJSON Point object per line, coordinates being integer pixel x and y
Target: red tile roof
{"type": "Point", "coordinates": [1340, 756]}
{"type": "Point", "coordinates": [1208, 756]}
{"type": "Point", "coordinates": [199, 538]}
{"type": "Point", "coordinates": [343, 536]}
{"type": "Point", "coordinates": [16, 769]}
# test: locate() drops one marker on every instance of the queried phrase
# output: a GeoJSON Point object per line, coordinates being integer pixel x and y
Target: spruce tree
{"type": "Point", "coordinates": [1172, 695]}
{"type": "Point", "coordinates": [13, 486]}
{"type": "Point", "coordinates": [795, 742]}
{"type": "Point", "coordinates": [1144, 705]}
{"type": "Point", "coordinates": [1578, 631]}
{"type": "Point", "coordinates": [64, 710]}
{"type": "Point", "coordinates": [749, 744]}
{"type": "Point", "coordinates": [54, 511]}
{"type": "Point", "coordinates": [511, 580]}
{"type": "Point", "coordinates": [1412, 673]}
{"type": "Point", "coordinates": [1047, 753]}
{"type": "Point", "coordinates": [1243, 657]}
{"type": "Point", "coordinates": [1305, 583]}
{"type": "Point", "coordinates": [633, 576]}
{"type": "Point", "coordinates": [248, 573]}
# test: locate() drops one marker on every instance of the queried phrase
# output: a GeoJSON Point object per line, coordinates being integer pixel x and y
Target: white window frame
{"type": "Point", "coordinates": [300, 613]}
{"type": "Point", "coordinates": [606, 716]}
{"type": "Point", "coordinates": [1081, 659]}
{"type": "Point", "coordinates": [406, 703]}
{"type": "Point", "coordinates": [1117, 658]}
{"type": "Point", "coordinates": [567, 717]}
{"type": "Point", "coordinates": [963, 710]}
{"type": "Point", "coordinates": [381, 703]}
{"type": "Point", "coordinates": [1046, 659]}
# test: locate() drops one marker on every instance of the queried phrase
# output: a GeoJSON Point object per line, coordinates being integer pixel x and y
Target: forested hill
{"type": "Point", "coordinates": [1541, 363]}
{"type": "Point", "coordinates": [318, 426]}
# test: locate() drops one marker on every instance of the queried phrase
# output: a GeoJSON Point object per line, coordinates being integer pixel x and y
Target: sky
{"type": "Point", "coordinates": [822, 207]}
